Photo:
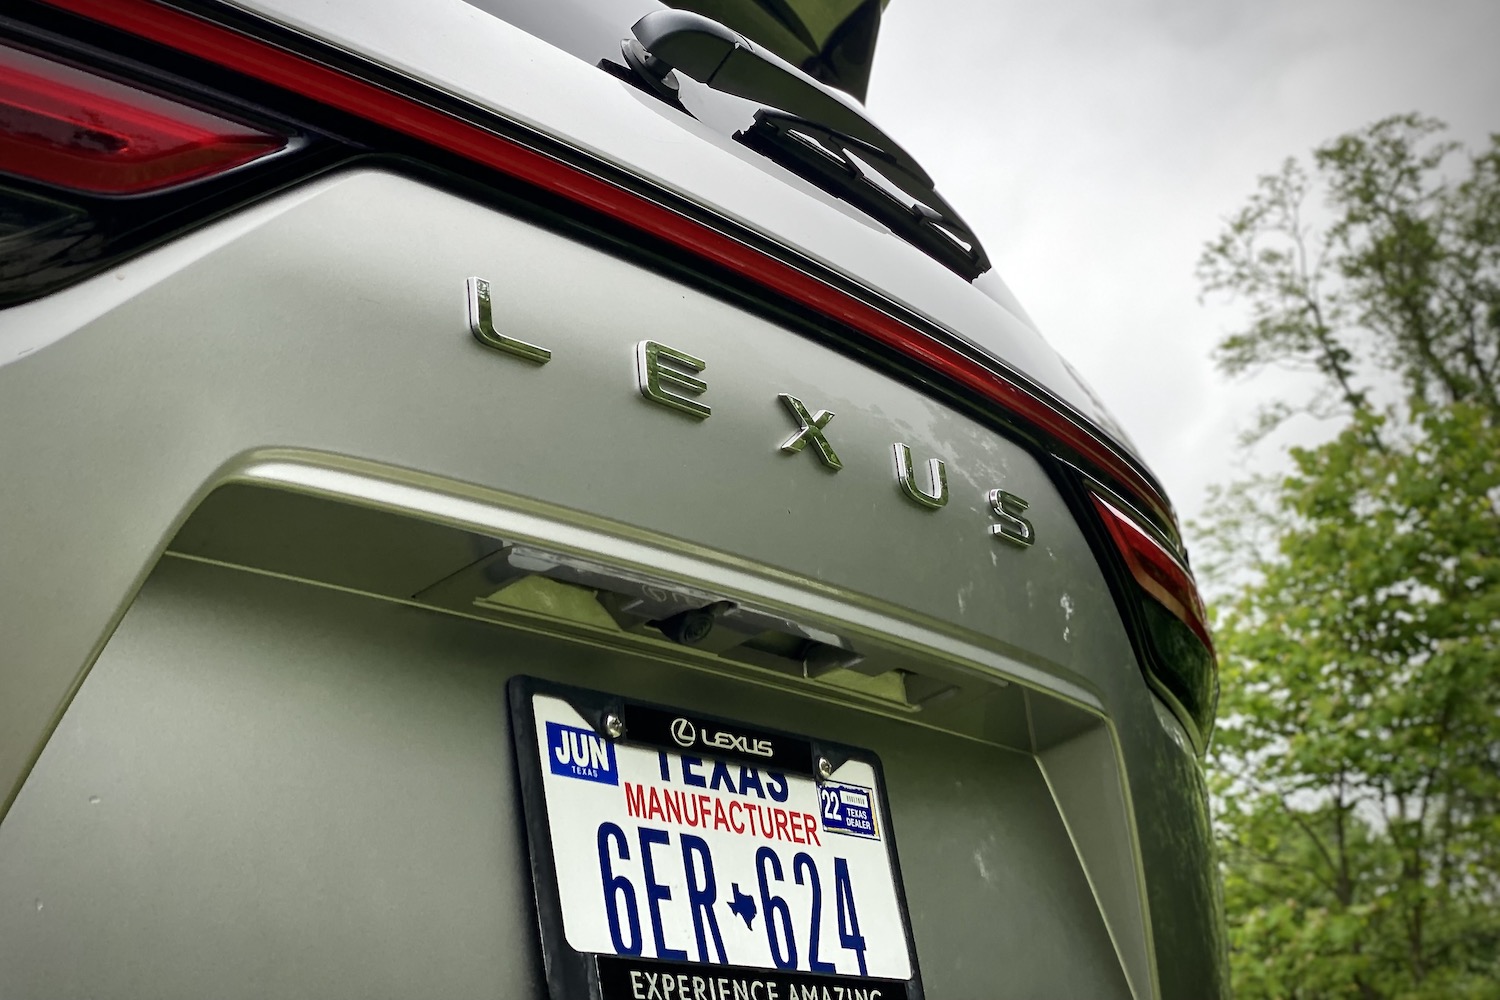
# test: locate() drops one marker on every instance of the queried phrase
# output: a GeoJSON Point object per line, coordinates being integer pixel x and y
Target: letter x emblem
{"type": "Point", "coordinates": [812, 430]}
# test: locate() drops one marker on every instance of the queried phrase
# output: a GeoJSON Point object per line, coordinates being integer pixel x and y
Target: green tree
{"type": "Point", "coordinates": [1357, 760]}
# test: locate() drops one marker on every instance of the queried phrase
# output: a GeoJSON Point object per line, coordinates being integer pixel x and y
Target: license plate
{"type": "Point", "coordinates": [683, 857]}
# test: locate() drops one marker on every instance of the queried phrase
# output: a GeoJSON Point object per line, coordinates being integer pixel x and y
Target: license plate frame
{"type": "Point", "coordinates": [603, 973]}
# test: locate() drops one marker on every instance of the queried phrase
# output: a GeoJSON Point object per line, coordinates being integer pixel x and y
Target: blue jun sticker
{"type": "Point", "coordinates": [580, 753]}
{"type": "Point", "coordinates": [848, 809]}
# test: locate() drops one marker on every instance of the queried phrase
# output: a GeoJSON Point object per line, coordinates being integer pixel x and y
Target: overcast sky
{"type": "Point", "coordinates": [1096, 146]}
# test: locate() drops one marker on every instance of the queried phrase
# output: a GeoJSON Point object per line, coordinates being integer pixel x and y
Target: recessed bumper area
{"type": "Point", "coordinates": [291, 772]}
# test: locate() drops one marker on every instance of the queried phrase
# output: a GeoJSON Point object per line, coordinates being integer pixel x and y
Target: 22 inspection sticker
{"type": "Point", "coordinates": [678, 856]}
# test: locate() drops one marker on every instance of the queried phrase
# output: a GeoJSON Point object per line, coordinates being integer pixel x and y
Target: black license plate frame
{"type": "Point", "coordinates": [573, 973]}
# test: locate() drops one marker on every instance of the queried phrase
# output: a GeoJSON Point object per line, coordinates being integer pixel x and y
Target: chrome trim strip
{"type": "Point", "coordinates": [633, 549]}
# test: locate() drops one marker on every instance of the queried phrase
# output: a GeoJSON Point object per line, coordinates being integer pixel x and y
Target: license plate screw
{"type": "Point", "coordinates": [614, 726]}
{"type": "Point", "coordinates": [825, 768]}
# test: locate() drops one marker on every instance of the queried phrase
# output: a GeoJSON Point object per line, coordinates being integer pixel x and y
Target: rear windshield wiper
{"type": "Point", "coordinates": [854, 171]}
{"type": "Point", "coordinates": [812, 130]}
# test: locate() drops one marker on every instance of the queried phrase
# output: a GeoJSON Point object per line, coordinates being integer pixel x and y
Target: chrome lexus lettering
{"type": "Point", "coordinates": [1012, 527]}
{"type": "Point", "coordinates": [664, 374]}
{"type": "Point", "coordinates": [482, 326]}
{"type": "Point", "coordinates": [812, 430]}
{"type": "Point", "coordinates": [937, 474]}
{"type": "Point", "coordinates": [654, 366]}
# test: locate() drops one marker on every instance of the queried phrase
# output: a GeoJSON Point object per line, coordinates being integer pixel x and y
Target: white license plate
{"type": "Point", "coordinates": [690, 852]}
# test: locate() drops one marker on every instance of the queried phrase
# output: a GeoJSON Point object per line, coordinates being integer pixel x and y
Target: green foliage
{"type": "Point", "coordinates": [1357, 763]}
{"type": "Point", "coordinates": [1356, 766]}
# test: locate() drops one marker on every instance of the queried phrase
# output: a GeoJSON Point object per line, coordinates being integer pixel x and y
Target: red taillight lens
{"type": "Point", "coordinates": [1156, 570]}
{"type": "Point", "coordinates": [76, 130]}
{"type": "Point", "coordinates": [1180, 652]}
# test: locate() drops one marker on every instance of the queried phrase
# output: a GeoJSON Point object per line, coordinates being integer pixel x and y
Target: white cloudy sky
{"type": "Point", "coordinates": [1096, 146]}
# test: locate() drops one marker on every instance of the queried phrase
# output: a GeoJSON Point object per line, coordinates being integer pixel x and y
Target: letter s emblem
{"type": "Point", "coordinates": [1012, 527]}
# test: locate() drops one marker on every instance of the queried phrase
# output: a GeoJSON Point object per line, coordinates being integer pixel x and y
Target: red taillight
{"type": "Point", "coordinates": [70, 128]}
{"type": "Point", "coordinates": [1177, 651]}
{"type": "Point", "coordinates": [1156, 570]}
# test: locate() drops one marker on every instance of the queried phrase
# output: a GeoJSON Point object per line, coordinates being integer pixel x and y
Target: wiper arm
{"type": "Point", "coordinates": [730, 63]}
{"type": "Point", "coordinates": [815, 131]}
{"type": "Point", "coordinates": [841, 166]}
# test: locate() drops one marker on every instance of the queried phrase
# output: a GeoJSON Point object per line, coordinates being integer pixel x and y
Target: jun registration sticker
{"type": "Point", "coordinates": [692, 858]}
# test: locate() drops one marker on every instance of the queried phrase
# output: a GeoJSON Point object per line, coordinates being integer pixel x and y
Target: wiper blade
{"type": "Point", "coordinates": [812, 130]}
{"type": "Point", "coordinates": [852, 171]}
